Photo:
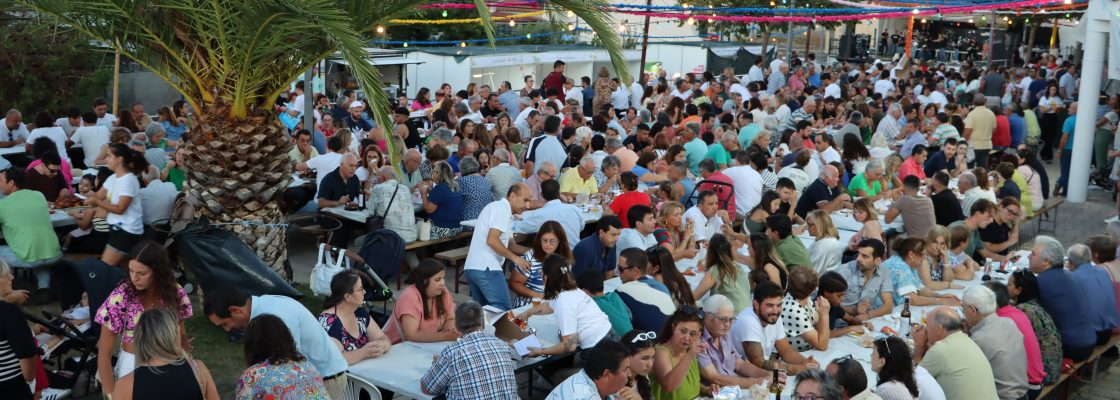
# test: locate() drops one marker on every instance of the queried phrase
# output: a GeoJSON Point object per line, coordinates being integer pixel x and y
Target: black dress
{"type": "Point", "coordinates": [166, 382]}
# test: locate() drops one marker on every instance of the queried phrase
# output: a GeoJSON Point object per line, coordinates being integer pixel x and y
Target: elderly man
{"type": "Point", "coordinates": [823, 194]}
{"type": "Point", "coordinates": [777, 79]}
{"type": "Point", "coordinates": [546, 172]}
{"type": "Point", "coordinates": [850, 378]}
{"type": "Point", "coordinates": [25, 221]}
{"type": "Point", "coordinates": [1096, 286]}
{"type": "Point", "coordinates": [721, 152]}
{"type": "Point", "coordinates": [999, 339]}
{"type": "Point", "coordinates": [952, 357]}
{"type": "Point", "coordinates": [474, 110]}
{"type": "Point", "coordinates": [890, 126]}
{"type": "Point", "coordinates": [870, 183]}
{"type": "Point", "coordinates": [758, 332]}
{"type": "Point", "coordinates": [411, 168]}
{"type": "Point", "coordinates": [13, 132]}
{"type": "Point", "coordinates": [604, 376]}
{"type": "Point", "coordinates": [488, 250]}
{"type": "Point", "coordinates": [476, 366]}
{"type": "Point", "coordinates": [567, 215]}
{"type": "Point", "coordinates": [501, 175]}
{"type": "Point", "coordinates": [466, 148]}
{"type": "Point", "coordinates": [805, 113]}
{"type": "Point", "coordinates": [391, 193]}
{"type": "Point", "coordinates": [719, 363]}
{"type": "Point", "coordinates": [1034, 345]}
{"type": "Point", "coordinates": [626, 157]}
{"type": "Point", "coordinates": [971, 192]}
{"type": "Point", "coordinates": [916, 210]}
{"type": "Point", "coordinates": [706, 217]}
{"type": "Point", "coordinates": [978, 128]}
{"type": "Point", "coordinates": [855, 120]}
{"type": "Point", "coordinates": [579, 180]}
{"type": "Point", "coordinates": [1063, 298]}
{"type": "Point", "coordinates": [528, 120]}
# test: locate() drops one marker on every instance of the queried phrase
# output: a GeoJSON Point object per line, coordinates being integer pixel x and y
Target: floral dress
{"type": "Point", "coordinates": [290, 380]}
{"type": "Point", "coordinates": [1049, 340]}
{"type": "Point", "coordinates": [333, 325]}
{"type": "Point", "coordinates": [121, 310]}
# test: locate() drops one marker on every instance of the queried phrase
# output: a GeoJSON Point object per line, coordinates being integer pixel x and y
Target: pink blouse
{"type": "Point", "coordinates": [1035, 370]}
{"type": "Point", "coordinates": [410, 304]}
{"type": "Point", "coordinates": [121, 310]}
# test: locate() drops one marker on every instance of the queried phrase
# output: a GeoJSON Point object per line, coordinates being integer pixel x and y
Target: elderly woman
{"type": "Point", "coordinates": [805, 321]}
{"type": "Point", "coordinates": [607, 176]}
{"type": "Point", "coordinates": [602, 89]}
{"type": "Point", "coordinates": [474, 188]}
{"type": "Point", "coordinates": [827, 250]}
{"type": "Point", "coordinates": [871, 184]}
{"type": "Point", "coordinates": [348, 323]}
{"type": "Point", "coordinates": [443, 202]}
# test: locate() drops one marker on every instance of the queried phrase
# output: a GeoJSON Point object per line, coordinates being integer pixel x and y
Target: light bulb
{"type": "Point", "coordinates": [691, 21]}
{"type": "Point", "coordinates": [571, 14]}
{"type": "Point", "coordinates": [970, 20]}
{"type": "Point", "coordinates": [1068, 2]}
{"type": "Point", "coordinates": [380, 29]}
{"type": "Point", "coordinates": [512, 23]}
{"type": "Point", "coordinates": [622, 27]}
{"type": "Point", "coordinates": [984, 18]}
{"type": "Point", "coordinates": [405, 44]}
{"type": "Point", "coordinates": [462, 44]}
{"type": "Point", "coordinates": [923, 20]}
{"type": "Point", "coordinates": [528, 35]}
{"type": "Point", "coordinates": [684, 5]}
{"type": "Point", "coordinates": [571, 27]}
{"type": "Point", "coordinates": [914, 11]}
{"type": "Point", "coordinates": [444, 13]}
{"type": "Point", "coordinates": [710, 20]}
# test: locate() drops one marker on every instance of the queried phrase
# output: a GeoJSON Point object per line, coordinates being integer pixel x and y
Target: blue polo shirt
{"type": "Point", "coordinates": [1096, 285]}
{"type": "Point", "coordinates": [1061, 297]}
{"type": "Point", "coordinates": [1068, 128]}
{"type": "Point", "coordinates": [589, 253]}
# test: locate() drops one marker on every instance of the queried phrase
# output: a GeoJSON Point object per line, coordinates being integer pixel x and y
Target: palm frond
{"type": "Point", "coordinates": [487, 23]}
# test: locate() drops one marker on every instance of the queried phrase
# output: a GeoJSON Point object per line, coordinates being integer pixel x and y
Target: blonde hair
{"type": "Point", "coordinates": [938, 231]}
{"type": "Point", "coordinates": [866, 206]}
{"type": "Point", "coordinates": [157, 336]}
{"type": "Point", "coordinates": [892, 164]}
{"type": "Point", "coordinates": [666, 211]}
{"type": "Point", "coordinates": [824, 225]}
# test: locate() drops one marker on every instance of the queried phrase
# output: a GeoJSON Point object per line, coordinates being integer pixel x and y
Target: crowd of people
{"type": "Point", "coordinates": [745, 175]}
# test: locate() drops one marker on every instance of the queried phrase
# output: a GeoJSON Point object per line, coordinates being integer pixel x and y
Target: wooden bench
{"type": "Point", "coordinates": [1093, 359]}
{"type": "Point", "coordinates": [454, 257]}
{"type": "Point", "coordinates": [1044, 214]}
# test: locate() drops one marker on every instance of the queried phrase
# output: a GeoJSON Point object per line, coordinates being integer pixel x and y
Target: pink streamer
{"type": "Point", "coordinates": [850, 17]}
{"type": "Point", "coordinates": [856, 4]}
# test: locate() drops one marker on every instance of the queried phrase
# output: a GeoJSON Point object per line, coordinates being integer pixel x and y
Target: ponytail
{"type": "Point", "coordinates": [134, 161]}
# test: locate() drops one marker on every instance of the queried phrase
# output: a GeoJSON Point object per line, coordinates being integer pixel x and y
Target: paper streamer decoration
{"type": "Point", "coordinates": [852, 17]}
{"type": "Point", "coordinates": [463, 20]}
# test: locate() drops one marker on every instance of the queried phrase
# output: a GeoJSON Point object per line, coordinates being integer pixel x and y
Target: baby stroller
{"type": "Point", "coordinates": [72, 363]}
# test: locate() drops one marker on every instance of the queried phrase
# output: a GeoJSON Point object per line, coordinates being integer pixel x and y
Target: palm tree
{"type": "Point", "coordinates": [231, 59]}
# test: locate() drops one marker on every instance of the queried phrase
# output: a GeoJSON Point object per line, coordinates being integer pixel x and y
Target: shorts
{"type": "Point", "coordinates": [121, 240]}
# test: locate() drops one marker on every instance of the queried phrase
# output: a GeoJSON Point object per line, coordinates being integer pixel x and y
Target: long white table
{"type": "Point", "coordinates": [590, 214]}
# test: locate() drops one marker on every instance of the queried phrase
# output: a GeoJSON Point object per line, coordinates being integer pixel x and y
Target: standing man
{"type": "Point", "coordinates": [978, 128]}
{"type": "Point", "coordinates": [488, 250]}
{"type": "Point", "coordinates": [1065, 150]}
{"type": "Point", "coordinates": [555, 80]}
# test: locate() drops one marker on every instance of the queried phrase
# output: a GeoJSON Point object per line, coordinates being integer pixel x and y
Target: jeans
{"type": "Point", "coordinates": [1063, 181]}
{"type": "Point", "coordinates": [1102, 142]}
{"type": "Point", "coordinates": [42, 274]}
{"type": "Point", "coordinates": [982, 158]}
{"type": "Point", "coordinates": [489, 288]}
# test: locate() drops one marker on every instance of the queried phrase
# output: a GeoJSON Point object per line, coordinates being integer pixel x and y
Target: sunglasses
{"type": "Point", "coordinates": [641, 337]}
{"type": "Point", "coordinates": [690, 310]}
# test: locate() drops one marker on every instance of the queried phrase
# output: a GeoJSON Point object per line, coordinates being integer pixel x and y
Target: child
{"type": "Point", "coordinates": [833, 287]}
{"type": "Point", "coordinates": [85, 186]}
{"type": "Point", "coordinates": [77, 315]}
{"type": "Point", "coordinates": [591, 282]}
{"type": "Point", "coordinates": [964, 267]}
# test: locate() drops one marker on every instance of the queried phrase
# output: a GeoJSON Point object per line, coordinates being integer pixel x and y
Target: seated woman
{"type": "Point", "coordinates": [528, 284]}
{"type": "Point", "coordinates": [827, 250]}
{"type": "Point", "coordinates": [937, 272]}
{"type": "Point", "coordinates": [676, 371]}
{"type": "Point", "coordinates": [644, 169]}
{"type": "Point", "coordinates": [444, 203]}
{"type": "Point", "coordinates": [864, 212]}
{"type": "Point", "coordinates": [642, 346]}
{"type": "Point", "coordinates": [164, 369]}
{"type": "Point", "coordinates": [724, 276]}
{"type": "Point", "coordinates": [962, 264]}
{"type": "Point", "coordinates": [348, 323]}
{"type": "Point", "coordinates": [805, 321]}
{"type": "Point", "coordinates": [765, 258]}
{"type": "Point", "coordinates": [275, 368]}
{"type": "Point", "coordinates": [664, 270]}
{"type": "Point", "coordinates": [891, 361]}
{"type": "Point", "coordinates": [424, 310]}
{"type": "Point", "coordinates": [580, 321]}
{"type": "Point", "coordinates": [755, 221]}
{"type": "Point", "coordinates": [672, 235]}
{"type": "Point", "coordinates": [150, 286]}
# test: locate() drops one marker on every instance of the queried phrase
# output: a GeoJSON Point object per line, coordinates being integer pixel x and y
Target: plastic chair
{"type": "Point", "coordinates": [355, 386]}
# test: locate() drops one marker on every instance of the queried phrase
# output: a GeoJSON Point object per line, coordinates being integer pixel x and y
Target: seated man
{"type": "Point", "coordinates": [1002, 233]}
{"type": "Point", "coordinates": [611, 304]}
{"type": "Point", "coordinates": [596, 252]}
{"type": "Point", "coordinates": [916, 210]}
{"type": "Point", "coordinates": [1096, 285]}
{"type": "Point", "coordinates": [850, 378]}
{"type": "Point", "coordinates": [952, 357]}
{"type": "Point", "coordinates": [648, 300]}
{"type": "Point", "coordinates": [706, 217]}
{"type": "Point", "coordinates": [640, 233]}
{"type": "Point", "coordinates": [946, 206]}
{"type": "Point", "coordinates": [719, 363]}
{"type": "Point", "coordinates": [340, 187]}
{"type": "Point", "coordinates": [759, 333]}
{"type": "Point", "coordinates": [454, 372]}
{"type": "Point", "coordinates": [26, 223]}
{"type": "Point", "coordinates": [870, 293]}
{"type": "Point", "coordinates": [823, 194]}
{"type": "Point", "coordinates": [46, 177]}
{"type": "Point", "coordinates": [999, 339]}
{"type": "Point", "coordinates": [579, 180]}
{"type": "Point", "coordinates": [604, 376]}
{"type": "Point", "coordinates": [302, 151]}
{"type": "Point", "coordinates": [568, 215]}
{"type": "Point", "coordinates": [790, 249]}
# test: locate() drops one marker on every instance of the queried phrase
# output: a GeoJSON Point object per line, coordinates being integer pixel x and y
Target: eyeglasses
{"type": "Point", "coordinates": [725, 320]}
{"type": "Point", "coordinates": [550, 241]}
{"type": "Point", "coordinates": [807, 397]}
{"type": "Point", "coordinates": [641, 337]}
{"type": "Point", "coordinates": [693, 311]}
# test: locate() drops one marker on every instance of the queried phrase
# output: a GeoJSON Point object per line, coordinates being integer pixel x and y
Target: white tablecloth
{"type": "Point", "coordinates": [590, 214]}
{"type": "Point", "coordinates": [358, 216]}
{"type": "Point", "coordinates": [17, 149]}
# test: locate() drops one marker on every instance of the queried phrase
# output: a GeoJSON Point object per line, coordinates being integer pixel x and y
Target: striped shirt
{"type": "Point", "coordinates": [16, 342]}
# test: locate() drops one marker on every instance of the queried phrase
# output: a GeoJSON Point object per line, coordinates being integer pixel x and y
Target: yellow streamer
{"type": "Point", "coordinates": [464, 20]}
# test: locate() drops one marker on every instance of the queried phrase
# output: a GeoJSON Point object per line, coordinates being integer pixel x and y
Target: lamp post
{"type": "Point", "coordinates": [789, 33]}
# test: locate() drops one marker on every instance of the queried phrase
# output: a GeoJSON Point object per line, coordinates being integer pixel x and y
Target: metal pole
{"type": "Point", "coordinates": [309, 102]}
{"type": "Point", "coordinates": [645, 46]}
{"type": "Point", "coordinates": [789, 33]}
{"type": "Point", "coordinates": [1096, 50]}
{"type": "Point", "coordinates": [992, 40]}
{"type": "Point", "coordinates": [116, 80]}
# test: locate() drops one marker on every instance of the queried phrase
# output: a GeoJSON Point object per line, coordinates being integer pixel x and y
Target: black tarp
{"type": "Point", "coordinates": [217, 257]}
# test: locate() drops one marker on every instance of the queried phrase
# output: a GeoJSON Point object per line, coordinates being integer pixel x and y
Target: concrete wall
{"type": "Point", "coordinates": [436, 70]}
{"type": "Point", "coordinates": [676, 59]}
{"type": "Point", "coordinates": [146, 88]}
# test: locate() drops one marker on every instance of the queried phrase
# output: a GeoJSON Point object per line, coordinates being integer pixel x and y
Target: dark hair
{"type": "Point", "coordinates": [832, 282]}
{"type": "Point", "coordinates": [607, 222]}
{"type": "Point", "coordinates": [302, 132]}
{"type": "Point", "coordinates": [767, 290]}
{"type": "Point", "coordinates": [154, 256]}
{"type": "Point", "coordinates": [981, 206]}
{"type": "Point", "coordinates": [43, 120]}
{"type": "Point", "coordinates": [781, 224]}
{"type": "Point", "coordinates": [630, 340]}
{"type": "Point", "coordinates": [134, 161]}
{"type": "Point", "coordinates": [676, 318]}
{"type": "Point", "coordinates": [911, 182]}
{"type": "Point", "coordinates": [636, 213]}
{"type": "Point", "coordinates": [802, 282]}
{"type": "Point", "coordinates": [341, 285]}
{"type": "Point", "coordinates": [41, 146]}
{"type": "Point", "coordinates": [50, 157]}
{"type": "Point", "coordinates": [1028, 286]}
{"type": "Point", "coordinates": [420, 278]}
{"type": "Point", "coordinates": [850, 376]}
{"type": "Point", "coordinates": [557, 275]}
{"type": "Point", "coordinates": [562, 247]}
{"type": "Point", "coordinates": [876, 245]}
{"type": "Point", "coordinates": [635, 258]}
{"type": "Point", "coordinates": [679, 288]}
{"type": "Point", "coordinates": [550, 190]}
{"type": "Point", "coordinates": [217, 302]}
{"type": "Point", "coordinates": [605, 356]}
{"type": "Point", "coordinates": [334, 143]}
{"type": "Point", "coordinates": [942, 178]}
{"type": "Point", "coordinates": [1103, 248]}
{"type": "Point", "coordinates": [268, 339]}
{"type": "Point", "coordinates": [785, 183]}
{"type": "Point", "coordinates": [89, 117]}
{"type": "Point", "coordinates": [590, 280]}
{"type": "Point", "coordinates": [909, 245]}
{"type": "Point", "coordinates": [628, 180]}
{"type": "Point", "coordinates": [899, 365]}
{"type": "Point", "coordinates": [762, 244]}
{"type": "Point", "coordinates": [720, 257]}
{"type": "Point", "coordinates": [1003, 298]}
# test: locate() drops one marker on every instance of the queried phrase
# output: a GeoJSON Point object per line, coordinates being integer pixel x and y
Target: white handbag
{"type": "Point", "coordinates": [325, 269]}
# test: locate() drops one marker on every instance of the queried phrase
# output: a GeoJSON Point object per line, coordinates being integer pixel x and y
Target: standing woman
{"type": "Point", "coordinates": [676, 371]}
{"type": "Point", "coordinates": [120, 196]}
{"type": "Point", "coordinates": [275, 367]}
{"type": "Point", "coordinates": [602, 89]}
{"type": "Point", "coordinates": [444, 203]}
{"type": "Point", "coordinates": [642, 352]}
{"type": "Point", "coordinates": [164, 370]}
{"type": "Point", "coordinates": [724, 276]}
{"type": "Point", "coordinates": [891, 360]}
{"type": "Point", "coordinates": [348, 323]}
{"type": "Point", "coordinates": [672, 235]}
{"type": "Point", "coordinates": [580, 321]}
{"type": "Point", "coordinates": [424, 310]}
{"type": "Point", "coordinates": [150, 285]}
{"type": "Point", "coordinates": [1051, 107]}
{"type": "Point", "coordinates": [528, 284]}
{"type": "Point", "coordinates": [765, 258]}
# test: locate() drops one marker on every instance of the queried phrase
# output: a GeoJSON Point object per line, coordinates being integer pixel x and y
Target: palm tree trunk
{"type": "Point", "coordinates": [765, 44]}
{"type": "Point", "coordinates": [237, 172]}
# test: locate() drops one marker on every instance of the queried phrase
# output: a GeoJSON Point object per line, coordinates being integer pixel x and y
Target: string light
{"type": "Point", "coordinates": [571, 14]}
{"type": "Point", "coordinates": [512, 23]}
{"type": "Point", "coordinates": [528, 35]}
{"type": "Point", "coordinates": [380, 29]}
{"type": "Point", "coordinates": [571, 27]}
{"type": "Point", "coordinates": [914, 11]}
{"type": "Point", "coordinates": [923, 20]}
{"type": "Point", "coordinates": [405, 44]}
{"type": "Point", "coordinates": [622, 27]}
{"type": "Point", "coordinates": [444, 13]}
{"type": "Point", "coordinates": [691, 21]}
{"type": "Point", "coordinates": [970, 21]}
{"type": "Point", "coordinates": [684, 5]}
{"type": "Point", "coordinates": [1068, 2]}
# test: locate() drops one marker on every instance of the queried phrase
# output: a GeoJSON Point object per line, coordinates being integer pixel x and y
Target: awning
{"type": "Point", "coordinates": [382, 61]}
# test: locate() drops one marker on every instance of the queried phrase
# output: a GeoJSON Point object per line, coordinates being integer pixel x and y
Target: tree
{"type": "Point", "coordinates": [231, 59]}
{"type": "Point", "coordinates": [55, 67]}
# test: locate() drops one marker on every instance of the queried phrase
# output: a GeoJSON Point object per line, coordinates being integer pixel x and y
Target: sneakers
{"type": "Point", "coordinates": [54, 394]}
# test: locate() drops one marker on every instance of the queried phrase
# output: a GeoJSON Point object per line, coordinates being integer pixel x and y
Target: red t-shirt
{"type": "Point", "coordinates": [621, 204]}
{"type": "Point", "coordinates": [911, 167]}
{"type": "Point", "coordinates": [1001, 137]}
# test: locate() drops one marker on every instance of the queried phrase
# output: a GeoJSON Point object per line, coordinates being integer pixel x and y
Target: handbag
{"type": "Point", "coordinates": [376, 222]}
{"type": "Point", "coordinates": [325, 269]}
{"type": "Point", "coordinates": [198, 377]}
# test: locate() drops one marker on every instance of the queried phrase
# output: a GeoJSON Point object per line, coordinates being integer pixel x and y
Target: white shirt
{"type": "Point", "coordinates": [702, 227]}
{"type": "Point", "coordinates": [620, 99]}
{"type": "Point", "coordinates": [681, 95]}
{"type": "Point", "coordinates": [578, 386]}
{"type": "Point", "coordinates": [939, 99]}
{"type": "Point", "coordinates": [748, 328]}
{"type": "Point", "coordinates": [297, 105]}
{"type": "Point", "coordinates": [741, 90]}
{"type": "Point", "coordinates": [64, 123]}
{"type": "Point", "coordinates": [567, 215]}
{"type": "Point", "coordinates": [576, 94]}
{"type": "Point", "coordinates": [19, 132]}
{"type": "Point", "coordinates": [1024, 85]}
{"type": "Point", "coordinates": [630, 238]}
{"type": "Point", "coordinates": [825, 253]}
{"type": "Point", "coordinates": [636, 93]}
{"type": "Point", "coordinates": [883, 87]}
{"type": "Point", "coordinates": [107, 121]}
{"type": "Point", "coordinates": [928, 388]}
{"type": "Point", "coordinates": [800, 177]}
{"type": "Point", "coordinates": [158, 197]}
{"type": "Point", "coordinates": [324, 164]}
{"type": "Point", "coordinates": [755, 74]}
{"type": "Point", "coordinates": [497, 215]}
{"type": "Point", "coordinates": [546, 148]}
{"type": "Point", "coordinates": [776, 64]}
{"type": "Point", "coordinates": [126, 185]}
{"type": "Point", "coordinates": [832, 90]}
{"type": "Point", "coordinates": [56, 135]}
{"type": "Point", "coordinates": [748, 187]}
{"type": "Point", "coordinates": [576, 313]}
{"type": "Point", "coordinates": [831, 155]}
{"type": "Point", "coordinates": [475, 116]}
{"type": "Point", "coordinates": [91, 138]}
